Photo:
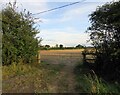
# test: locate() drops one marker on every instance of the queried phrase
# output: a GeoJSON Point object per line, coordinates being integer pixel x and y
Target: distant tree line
{"type": "Point", "coordinates": [48, 47]}
{"type": "Point", "coordinates": [105, 36]}
{"type": "Point", "coordinates": [18, 40]}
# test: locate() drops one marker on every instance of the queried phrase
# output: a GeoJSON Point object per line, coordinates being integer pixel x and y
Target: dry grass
{"type": "Point", "coordinates": [29, 78]}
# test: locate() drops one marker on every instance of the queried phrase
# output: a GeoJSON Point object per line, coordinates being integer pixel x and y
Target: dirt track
{"type": "Point", "coordinates": [69, 58]}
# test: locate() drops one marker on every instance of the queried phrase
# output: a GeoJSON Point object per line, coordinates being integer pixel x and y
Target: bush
{"type": "Point", "coordinates": [18, 41]}
{"type": "Point", "coordinates": [105, 37]}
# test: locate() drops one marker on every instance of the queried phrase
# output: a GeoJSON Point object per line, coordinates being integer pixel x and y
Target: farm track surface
{"type": "Point", "coordinates": [65, 82]}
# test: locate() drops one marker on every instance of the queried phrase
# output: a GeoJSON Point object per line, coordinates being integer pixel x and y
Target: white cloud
{"type": "Point", "coordinates": [63, 36]}
{"type": "Point", "coordinates": [72, 14]}
{"type": "Point", "coordinates": [25, 0]}
{"type": "Point", "coordinates": [79, 11]}
{"type": "Point", "coordinates": [101, 0]}
{"type": "Point", "coordinates": [33, 6]}
{"type": "Point", "coordinates": [68, 0]}
{"type": "Point", "coordinates": [85, 9]}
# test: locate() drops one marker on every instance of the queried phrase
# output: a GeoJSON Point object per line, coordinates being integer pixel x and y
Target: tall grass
{"type": "Point", "coordinates": [90, 83]}
{"type": "Point", "coordinates": [15, 69]}
{"type": "Point", "coordinates": [29, 78]}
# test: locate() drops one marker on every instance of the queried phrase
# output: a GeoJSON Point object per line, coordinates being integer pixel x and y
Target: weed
{"type": "Point", "coordinates": [90, 83]}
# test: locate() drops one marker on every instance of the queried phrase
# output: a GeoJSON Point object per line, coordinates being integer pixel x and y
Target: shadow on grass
{"type": "Point", "coordinates": [88, 82]}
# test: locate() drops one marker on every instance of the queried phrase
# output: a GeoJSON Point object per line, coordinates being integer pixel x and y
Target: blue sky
{"type": "Point", "coordinates": [65, 26]}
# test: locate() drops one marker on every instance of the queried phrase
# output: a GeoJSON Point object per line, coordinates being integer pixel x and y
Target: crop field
{"type": "Point", "coordinates": [67, 57]}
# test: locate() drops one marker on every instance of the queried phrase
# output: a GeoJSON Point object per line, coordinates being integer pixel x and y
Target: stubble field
{"type": "Point", "coordinates": [66, 57]}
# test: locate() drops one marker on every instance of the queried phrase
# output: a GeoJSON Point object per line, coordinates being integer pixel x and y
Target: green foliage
{"type": "Point", "coordinates": [79, 46]}
{"type": "Point", "coordinates": [47, 47]}
{"type": "Point", "coordinates": [105, 35]}
{"type": "Point", "coordinates": [15, 69]}
{"type": "Point", "coordinates": [61, 46]}
{"type": "Point", "coordinates": [18, 41]}
{"type": "Point", "coordinates": [88, 82]}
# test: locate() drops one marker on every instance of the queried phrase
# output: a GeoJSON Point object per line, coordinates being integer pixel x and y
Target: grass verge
{"type": "Point", "coordinates": [88, 82]}
{"type": "Point", "coordinates": [28, 78]}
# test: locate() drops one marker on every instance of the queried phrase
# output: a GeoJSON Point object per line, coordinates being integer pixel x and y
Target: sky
{"type": "Point", "coordinates": [65, 26]}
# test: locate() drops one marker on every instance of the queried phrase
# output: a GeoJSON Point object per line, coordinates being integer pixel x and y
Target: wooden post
{"type": "Point", "coordinates": [38, 58]}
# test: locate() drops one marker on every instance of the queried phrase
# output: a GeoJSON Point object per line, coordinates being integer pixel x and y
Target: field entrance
{"type": "Point", "coordinates": [53, 75]}
{"type": "Point", "coordinates": [67, 59]}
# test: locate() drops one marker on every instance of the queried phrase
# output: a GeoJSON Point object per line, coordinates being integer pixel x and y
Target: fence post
{"type": "Point", "coordinates": [38, 57]}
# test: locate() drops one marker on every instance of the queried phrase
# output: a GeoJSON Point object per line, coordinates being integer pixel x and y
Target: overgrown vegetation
{"type": "Point", "coordinates": [18, 40]}
{"type": "Point", "coordinates": [88, 82]}
{"type": "Point", "coordinates": [105, 36]}
{"type": "Point", "coordinates": [29, 78]}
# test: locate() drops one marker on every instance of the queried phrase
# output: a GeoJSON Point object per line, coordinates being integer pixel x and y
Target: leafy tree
{"type": "Point", "coordinates": [56, 45]}
{"type": "Point", "coordinates": [79, 46]}
{"type": "Point", "coordinates": [105, 36]}
{"type": "Point", "coordinates": [61, 46]}
{"type": "Point", "coordinates": [18, 40]}
{"type": "Point", "coordinates": [47, 46]}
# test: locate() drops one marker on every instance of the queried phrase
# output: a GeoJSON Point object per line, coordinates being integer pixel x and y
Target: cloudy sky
{"type": "Point", "coordinates": [65, 26]}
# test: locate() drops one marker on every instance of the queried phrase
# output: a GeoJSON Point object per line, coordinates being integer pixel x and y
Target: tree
{"type": "Point", "coordinates": [47, 46]}
{"type": "Point", "coordinates": [61, 46]}
{"type": "Point", "coordinates": [18, 41]}
{"type": "Point", "coordinates": [79, 46]}
{"type": "Point", "coordinates": [56, 45]}
{"type": "Point", "coordinates": [105, 36]}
